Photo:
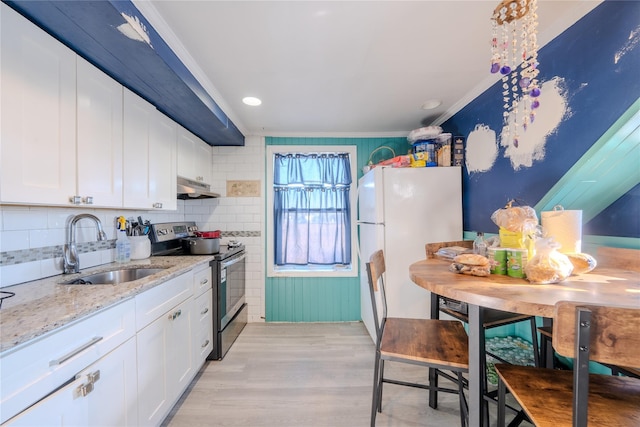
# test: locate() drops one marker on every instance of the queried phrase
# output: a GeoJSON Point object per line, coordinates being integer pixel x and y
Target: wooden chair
{"type": "Point", "coordinates": [492, 319]}
{"type": "Point", "coordinates": [441, 344]}
{"type": "Point", "coordinates": [583, 332]}
{"type": "Point", "coordinates": [622, 258]}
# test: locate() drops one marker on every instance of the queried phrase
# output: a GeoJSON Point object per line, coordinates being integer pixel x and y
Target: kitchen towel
{"type": "Point", "coordinates": [565, 227]}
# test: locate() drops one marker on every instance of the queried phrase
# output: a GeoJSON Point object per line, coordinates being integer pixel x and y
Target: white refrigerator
{"type": "Point", "coordinates": [400, 210]}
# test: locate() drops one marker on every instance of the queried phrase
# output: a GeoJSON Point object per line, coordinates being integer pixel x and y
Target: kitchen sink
{"type": "Point", "coordinates": [114, 277]}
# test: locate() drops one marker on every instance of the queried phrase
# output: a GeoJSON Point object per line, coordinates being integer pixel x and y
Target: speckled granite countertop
{"type": "Point", "coordinates": [43, 305]}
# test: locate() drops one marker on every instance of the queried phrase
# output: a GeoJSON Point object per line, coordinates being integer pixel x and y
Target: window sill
{"type": "Point", "coordinates": [319, 271]}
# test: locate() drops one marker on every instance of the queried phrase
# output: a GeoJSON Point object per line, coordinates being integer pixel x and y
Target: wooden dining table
{"type": "Point", "coordinates": [607, 286]}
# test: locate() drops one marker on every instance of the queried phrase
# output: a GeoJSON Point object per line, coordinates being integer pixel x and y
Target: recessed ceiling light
{"type": "Point", "coordinates": [250, 100]}
{"type": "Point", "coordinates": [430, 104]}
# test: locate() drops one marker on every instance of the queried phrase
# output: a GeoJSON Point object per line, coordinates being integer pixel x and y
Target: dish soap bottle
{"type": "Point", "coordinates": [123, 246]}
{"type": "Point", "coordinates": [480, 245]}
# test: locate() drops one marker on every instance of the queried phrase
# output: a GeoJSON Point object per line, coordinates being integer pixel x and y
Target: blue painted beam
{"type": "Point", "coordinates": [151, 70]}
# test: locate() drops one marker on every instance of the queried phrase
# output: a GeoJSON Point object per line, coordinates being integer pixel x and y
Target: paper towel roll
{"type": "Point", "coordinates": [565, 227]}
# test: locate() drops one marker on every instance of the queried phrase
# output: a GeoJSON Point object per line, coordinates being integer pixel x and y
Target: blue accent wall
{"type": "Point", "coordinates": [598, 60]}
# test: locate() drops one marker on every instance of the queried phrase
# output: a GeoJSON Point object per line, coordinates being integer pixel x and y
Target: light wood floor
{"type": "Point", "coordinates": [305, 375]}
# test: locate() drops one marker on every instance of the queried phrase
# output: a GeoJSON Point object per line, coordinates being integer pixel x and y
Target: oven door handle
{"type": "Point", "coordinates": [232, 261]}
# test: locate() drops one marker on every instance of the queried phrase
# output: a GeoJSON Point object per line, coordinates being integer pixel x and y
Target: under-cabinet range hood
{"type": "Point", "coordinates": [188, 189]}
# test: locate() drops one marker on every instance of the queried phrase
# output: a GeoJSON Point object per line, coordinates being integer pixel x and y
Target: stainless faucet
{"type": "Point", "coordinates": [71, 261]}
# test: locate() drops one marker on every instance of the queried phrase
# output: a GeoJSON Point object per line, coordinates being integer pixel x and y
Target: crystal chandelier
{"type": "Point", "coordinates": [514, 54]}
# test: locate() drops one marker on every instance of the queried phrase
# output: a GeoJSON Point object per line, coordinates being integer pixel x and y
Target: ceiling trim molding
{"type": "Point", "coordinates": [171, 39]}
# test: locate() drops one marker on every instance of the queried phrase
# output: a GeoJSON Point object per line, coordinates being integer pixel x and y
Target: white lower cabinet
{"type": "Point", "coordinates": [103, 394]}
{"type": "Point", "coordinates": [202, 314]}
{"type": "Point", "coordinates": [126, 365]}
{"type": "Point", "coordinates": [203, 336]}
{"type": "Point", "coordinates": [43, 380]}
{"type": "Point", "coordinates": [165, 361]}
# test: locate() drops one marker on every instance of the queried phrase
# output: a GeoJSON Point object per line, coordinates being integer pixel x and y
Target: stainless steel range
{"type": "Point", "coordinates": [228, 273]}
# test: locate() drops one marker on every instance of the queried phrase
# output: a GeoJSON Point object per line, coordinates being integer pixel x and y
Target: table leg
{"type": "Point", "coordinates": [433, 376]}
{"type": "Point", "coordinates": [548, 354]}
{"type": "Point", "coordinates": [476, 366]}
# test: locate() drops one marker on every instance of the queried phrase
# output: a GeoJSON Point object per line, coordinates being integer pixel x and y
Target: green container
{"type": "Point", "coordinates": [498, 259]}
{"type": "Point", "coordinates": [516, 261]}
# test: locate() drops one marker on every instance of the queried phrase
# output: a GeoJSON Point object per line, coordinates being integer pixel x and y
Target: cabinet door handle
{"type": "Point", "coordinates": [175, 315]}
{"type": "Point", "coordinates": [205, 311]}
{"type": "Point", "coordinates": [206, 343]}
{"type": "Point", "coordinates": [75, 200]}
{"type": "Point", "coordinates": [83, 389]}
{"type": "Point", "coordinates": [204, 281]}
{"type": "Point", "coordinates": [157, 205]}
{"type": "Point", "coordinates": [74, 352]}
{"type": "Point", "coordinates": [88, 200]}
{"type": "Point", "coordinates": [93, 376]}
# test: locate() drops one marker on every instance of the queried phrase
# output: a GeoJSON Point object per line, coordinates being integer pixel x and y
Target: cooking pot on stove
{"type": "Point", "coordinates": [208, 234]}
{"type": "Point", "coordinates": [201, 245]}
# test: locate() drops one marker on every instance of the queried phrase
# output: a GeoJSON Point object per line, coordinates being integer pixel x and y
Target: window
{"type": "Point", "coordinates": [311, 204]}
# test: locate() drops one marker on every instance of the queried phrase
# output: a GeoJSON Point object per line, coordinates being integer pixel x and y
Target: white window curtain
{"type": "Point", "coordinates": [311, 209]}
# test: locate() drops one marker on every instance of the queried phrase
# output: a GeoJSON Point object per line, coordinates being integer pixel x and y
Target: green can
{"type": "Point", "coordinates": [516, 261]}
{"type": "Point", "coordinates": [498, 259]}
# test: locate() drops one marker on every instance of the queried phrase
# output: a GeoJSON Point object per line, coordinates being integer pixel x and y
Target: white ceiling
{"type": "Point", "coordinates": [340, 67]}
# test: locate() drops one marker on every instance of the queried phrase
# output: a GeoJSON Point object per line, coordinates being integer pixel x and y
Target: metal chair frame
{"type": "Point", "coordinates": [379, 378]}
{"type": "Point", "coordinates": [593, 340]}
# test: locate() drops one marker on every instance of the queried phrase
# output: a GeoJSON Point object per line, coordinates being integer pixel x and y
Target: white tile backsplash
{"type": "Point", "coordinates": [18, 273]}
{"type": "Point", "coordinates": [46, 237]}
{"type": "Point", "coordinates": [14, 240]}
{"type": "Point", "coordinates": [51, 267]}
{"type": "Point", "coordinates": [23, 219]}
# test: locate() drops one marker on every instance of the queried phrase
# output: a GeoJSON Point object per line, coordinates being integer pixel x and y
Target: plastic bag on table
{"type": "Point", "coordinates": [518, 226]}
{"type": "Point", "coordinates": [517, 219]}
{"type": "Point", "coordinates": [548, 265]}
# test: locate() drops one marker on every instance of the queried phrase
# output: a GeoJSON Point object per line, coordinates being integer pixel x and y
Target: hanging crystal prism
{"type": "Point", "coordinates": [514, 54]}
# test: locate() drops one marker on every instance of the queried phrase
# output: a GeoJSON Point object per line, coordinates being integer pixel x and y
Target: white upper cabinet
{"type": "Point", "coordinates": [38, 119]}
{"type": "Point", "coordinates": [194, 157]}
{"type": "Point", "coordinates": [149, 156]}
{"type": "Point", "coordinates": [162, 171]}
{"type": "Point", "coordinates": [99, 137]}
{"type": "Point", "coordinates": [61, 122]}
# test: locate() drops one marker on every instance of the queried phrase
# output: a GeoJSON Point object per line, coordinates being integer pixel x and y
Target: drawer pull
{"type": "Point", "coordinates": [205, 311]}
{"type": "Point", "coordinates": [74, 352]}
{"type": "Point", "coordinates": [204, 281]}
{"type": "Point", "coordinates": [206, 343]}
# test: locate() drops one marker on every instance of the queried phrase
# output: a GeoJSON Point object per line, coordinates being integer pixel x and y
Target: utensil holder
{"type": "Point", "coordinates": [140, 247]}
